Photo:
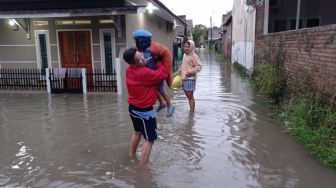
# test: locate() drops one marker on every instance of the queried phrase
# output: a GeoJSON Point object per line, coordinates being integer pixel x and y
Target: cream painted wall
{"type": "Point", "coordinates": [243, 34]}
{"type": "Point", "coordinates": [152, 23]}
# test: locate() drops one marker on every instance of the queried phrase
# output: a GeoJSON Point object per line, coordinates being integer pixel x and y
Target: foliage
{"type": "Point", "coordinates": [239, 68]}
{"type": "Point", "coordinates": [268, 81]}
{"type": "Point", "coordinates": [198, 31]}
{"type": "Point", "coordinates": [314, 125]}
{"type": "Point", "coordinates": [221, 57]}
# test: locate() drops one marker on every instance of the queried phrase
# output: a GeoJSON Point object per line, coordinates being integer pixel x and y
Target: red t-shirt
{"type": "Point", "coordinates": [142, 84]}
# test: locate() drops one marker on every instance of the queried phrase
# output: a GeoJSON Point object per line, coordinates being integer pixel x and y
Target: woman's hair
{"type": "Point", "coordinates": [128, 55]}
{"type": "Point", "coordinates": [186, 42]}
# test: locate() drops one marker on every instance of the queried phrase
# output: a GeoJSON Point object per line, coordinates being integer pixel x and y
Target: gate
{"type": "Point", "coordinates": [66, 80]}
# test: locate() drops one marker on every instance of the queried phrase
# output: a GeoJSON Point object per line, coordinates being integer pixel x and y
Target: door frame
{"type": "Point", "coordinates": [58, 46]}
{"type": "Point", "coordinates": [38, 48]}
{"type": "Point", "coordinates": [102, 50]}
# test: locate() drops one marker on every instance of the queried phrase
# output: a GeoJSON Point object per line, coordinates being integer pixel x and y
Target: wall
{"type": "Point", "coordinates": [227, 40]}
{"type": "Point", "coordinates": [286, 10]}
{"type": "Point", "coordinates": [152, 23]}
{"type": "Point", "coordinates": [243, 36]}
{"type": "Point", "coordinates": [18, 51]}
{"type": "Point", "coordinates": [307, 57]}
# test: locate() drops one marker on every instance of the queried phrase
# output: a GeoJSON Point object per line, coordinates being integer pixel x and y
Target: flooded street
{"type": "Point", "coordinates": [82, 141]}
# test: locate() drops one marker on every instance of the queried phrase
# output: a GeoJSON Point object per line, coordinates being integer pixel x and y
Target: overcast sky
{"type": "Point", "coordinates": [200, 11]}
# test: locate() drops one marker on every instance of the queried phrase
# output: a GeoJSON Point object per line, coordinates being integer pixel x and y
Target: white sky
{"type": "Point", "coordinates": [200, 10]}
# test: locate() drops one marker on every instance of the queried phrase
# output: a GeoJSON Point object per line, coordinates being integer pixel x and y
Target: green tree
{"type": "Point", "coordinates": [198, 31]}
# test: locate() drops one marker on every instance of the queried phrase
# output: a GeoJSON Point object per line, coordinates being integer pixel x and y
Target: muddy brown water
{"type": "Point", "coordinates": [82, 141]}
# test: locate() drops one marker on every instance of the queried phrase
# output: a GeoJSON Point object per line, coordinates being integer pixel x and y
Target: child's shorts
{"type": "Point", "coordinates": [189, 84]}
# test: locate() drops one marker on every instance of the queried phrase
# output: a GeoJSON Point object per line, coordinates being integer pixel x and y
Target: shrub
{"type": "Point", "coordinates": [268, 81]}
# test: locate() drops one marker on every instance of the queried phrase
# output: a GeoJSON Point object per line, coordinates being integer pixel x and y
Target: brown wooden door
{"type": "Point", "coordinates": [75, 48]}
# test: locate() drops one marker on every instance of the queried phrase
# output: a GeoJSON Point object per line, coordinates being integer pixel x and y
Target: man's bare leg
{"type": "Point", "coordinates": [134, 143]}
{"type": "Point", "coordinates": [146, 151]}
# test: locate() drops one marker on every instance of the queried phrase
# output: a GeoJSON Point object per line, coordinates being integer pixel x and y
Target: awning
{"type": "Point", "coordinates": [13, 14]}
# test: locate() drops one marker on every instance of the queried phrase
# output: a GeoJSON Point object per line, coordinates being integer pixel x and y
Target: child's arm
{"type": "Point", "coordinates": [153, 77]}
{"type": "Point", "coordinates": [165, 56]}
{"type": "Point", "coordinates": [163, 52]}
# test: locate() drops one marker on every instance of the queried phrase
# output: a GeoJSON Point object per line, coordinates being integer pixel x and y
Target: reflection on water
{"type": "Point", "coordinates": [82, 141]}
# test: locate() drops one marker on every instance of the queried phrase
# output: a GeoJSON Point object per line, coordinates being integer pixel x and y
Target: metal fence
{"type": "Point", "coordinates": [22, 79]}
{"type": "Point", "coordinates": [62, 80]}
{"type": "Point", "coordinates": [98, 80]}
{"type": "Point", "coordinates": [66, 80]}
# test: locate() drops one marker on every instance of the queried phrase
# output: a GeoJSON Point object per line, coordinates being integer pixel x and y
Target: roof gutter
{"type": "Point", "coordinates": [70, 12]}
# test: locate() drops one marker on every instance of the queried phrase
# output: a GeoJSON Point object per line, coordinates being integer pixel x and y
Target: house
{"type": "Point", "coordinates": [79, 33]}
{"type": "Point", "coordinates": [79, 41]}
{"type": "Point", "coordinates": [181, 30]}
{"type": "Point", "coordinates": [243, 36]}
{"type": "Point", "coordinates": [214, 37]}
{"type": "Point", "coordinates": [298, 37]}
{"type": "Point", "coordinates": [226, 32]}
{"type": "Point", "coordinates": [190, 27]}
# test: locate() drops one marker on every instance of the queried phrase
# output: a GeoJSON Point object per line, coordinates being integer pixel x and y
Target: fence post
{"type": "Point", "coordinates": [118, 71]}
{"type": "Point", "coordinates": [84, 82]}
{"type": "Point", "coordinates": [48, 80]}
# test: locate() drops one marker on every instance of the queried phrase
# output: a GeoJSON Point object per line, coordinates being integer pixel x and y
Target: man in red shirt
{"type": "Point", "coordinates": [142, 94]}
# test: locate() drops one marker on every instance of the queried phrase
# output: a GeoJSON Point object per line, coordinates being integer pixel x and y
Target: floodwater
{"type": "Point", "coordinates": [82, 141]}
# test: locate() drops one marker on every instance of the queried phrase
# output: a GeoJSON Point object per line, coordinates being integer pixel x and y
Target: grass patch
{"type": "Point", "coordinates": [311, 121]}
{"type": "Point", "coordinates": [314, 125]}
{"type": "Point", "coordinates": [220, 57]}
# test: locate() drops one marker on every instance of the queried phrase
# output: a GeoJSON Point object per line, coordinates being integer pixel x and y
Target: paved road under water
{"type": "Point", "coordinates": [82, 141]}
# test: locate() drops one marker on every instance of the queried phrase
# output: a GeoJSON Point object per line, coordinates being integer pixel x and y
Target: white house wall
{"type": "Point", "coordinates": [243, 35]}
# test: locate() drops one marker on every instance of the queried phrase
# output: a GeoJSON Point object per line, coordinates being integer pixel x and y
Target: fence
{"type": "Point", "coordinates": [61, 80]}
{"type": "Point", "coordinates": [22, 79]}
{"type": "Point", "coordinates": [66, 80]}
{"type": "Point", "coordinates": [98, 80]}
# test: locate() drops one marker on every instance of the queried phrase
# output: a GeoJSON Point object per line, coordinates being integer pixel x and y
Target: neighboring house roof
{"type": "Point", "coordinates": [165, 10]}
{"type": "Point", "coordinates": [216, 33]}
{"type": "Point", "coordinates": [227, 18]}
{"type": "Point", "coordinates": [228, 21]}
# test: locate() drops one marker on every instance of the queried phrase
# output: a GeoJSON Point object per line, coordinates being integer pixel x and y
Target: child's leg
{"type": "Point", "coordinates": [164, 94]}
{"type": "Point", "coordinates": [162, 104]}
{"type": "Point", "coordinates": [166, 98]}
{"type": "Point", "coordinates": [160, 99]}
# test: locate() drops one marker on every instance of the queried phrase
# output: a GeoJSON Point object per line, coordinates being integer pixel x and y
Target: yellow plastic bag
{"type": "Point", "coordinates": [177, 82]}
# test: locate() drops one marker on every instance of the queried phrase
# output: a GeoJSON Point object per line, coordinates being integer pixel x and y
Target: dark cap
{"type": "Point", "coordinates": [128, 55]}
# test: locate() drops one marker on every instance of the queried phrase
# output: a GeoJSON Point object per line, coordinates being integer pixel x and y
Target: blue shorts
{"type": "Point", "coordinates": [144, 124]}
{"type": "Point", "coordinates": [189, 84]}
